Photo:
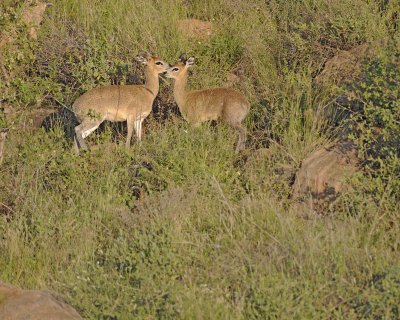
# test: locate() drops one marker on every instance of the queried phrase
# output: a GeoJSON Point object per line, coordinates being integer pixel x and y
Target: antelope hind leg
{"type": "Point", "coordinates": [83, 130]}
{"type": "Point", "coordinates": [241, 142]}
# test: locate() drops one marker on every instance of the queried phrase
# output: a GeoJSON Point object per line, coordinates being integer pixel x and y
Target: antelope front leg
{"type": "Point", "coordinates": [130, 123]}
{"type": "Point", "coordinates": [138, 128]}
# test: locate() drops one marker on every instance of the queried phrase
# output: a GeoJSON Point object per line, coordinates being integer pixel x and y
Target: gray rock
{"type": "Point", "coordinates": [18, 304]}
{"type": "Point", "coordinates": [322, 175]}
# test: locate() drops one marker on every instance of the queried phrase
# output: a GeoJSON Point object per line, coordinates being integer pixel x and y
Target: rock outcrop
{"type": "Point", "coordinates": [345, 65]}
{"type": "Point", "coordinates": [322, 175]}
{"type": "Point", "coordinates": [32, 15]}
{"type": "Point", "coordinates": [195, 28]}
{"type": "Point", "coordinates": [18, 304]}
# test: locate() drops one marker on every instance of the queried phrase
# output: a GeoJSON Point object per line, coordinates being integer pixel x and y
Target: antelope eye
{"type": "Point", "coordinates": [159, 63]}
{"type": "Point", "coordinates": [175, 69]}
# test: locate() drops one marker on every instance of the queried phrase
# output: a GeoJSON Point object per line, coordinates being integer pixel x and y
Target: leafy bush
{"type": "Point", "coordinates": [379, 299]}
{"type": "Point", "coordinates": [375, 121]}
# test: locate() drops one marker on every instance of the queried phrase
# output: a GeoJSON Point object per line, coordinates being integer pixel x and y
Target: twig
{"type": "Point", "coordinates": [6, 206]}
{"type": "Point", "coordinates": [60, 103]}
{"type": "Point", "coordinates": [4, 71]}
{"type": "Point", "coordinates": [283, 149]}
{"type": "Point", "coordinates": [3, 135]}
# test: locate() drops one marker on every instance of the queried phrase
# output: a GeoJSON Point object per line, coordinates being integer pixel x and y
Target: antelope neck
{"type": "Point", "coordinates": [152, 84]}
{"type": "Point", "coordinates": [180, 91]}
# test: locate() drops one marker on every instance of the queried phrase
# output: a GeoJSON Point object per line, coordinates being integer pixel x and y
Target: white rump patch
{"type": "Point", "coordinates": [89, 131]}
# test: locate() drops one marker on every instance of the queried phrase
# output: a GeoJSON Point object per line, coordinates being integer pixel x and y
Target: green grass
{"type": "Point", "coordinates": [199, 244]}
{"type": "Point", "coordinates": [178, 226]}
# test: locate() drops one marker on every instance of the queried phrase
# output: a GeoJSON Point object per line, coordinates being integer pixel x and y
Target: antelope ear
{"type": "Point", "coordinates": [182, 58]}
{"type": "Point", "coordinates": [143, 57]}
{"type": "Point", "coordinates": [190, 61]}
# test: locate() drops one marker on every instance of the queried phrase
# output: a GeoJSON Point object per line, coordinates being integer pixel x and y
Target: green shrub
{"type": "Point", "coordinates": [141, 271]}
{"type": "Point", "coordinates": [375, 121]}
{"type": "Point", "coordinates": [379, 299]}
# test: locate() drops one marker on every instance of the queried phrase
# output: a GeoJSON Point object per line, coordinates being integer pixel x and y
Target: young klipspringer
{"type": "Point", "coordinates": [130, 103]}
{"type": "Point", "coordinates": [198, 106]}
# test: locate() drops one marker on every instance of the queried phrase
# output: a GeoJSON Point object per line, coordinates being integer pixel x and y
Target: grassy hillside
{"type": "Point", "coordinates": [178, 226]}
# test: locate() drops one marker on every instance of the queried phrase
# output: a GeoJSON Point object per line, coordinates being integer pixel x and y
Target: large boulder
{"type": "Point", "coordinates": [345, 65]}
{"type": "Point", "coordinates": [323, 175]}
{"type": "Point", "coordinates": [18, 304]}
{"type": "Point", "coordinates": [195, 28]}
{"type": "Point", "coordinates": [33, 15]}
